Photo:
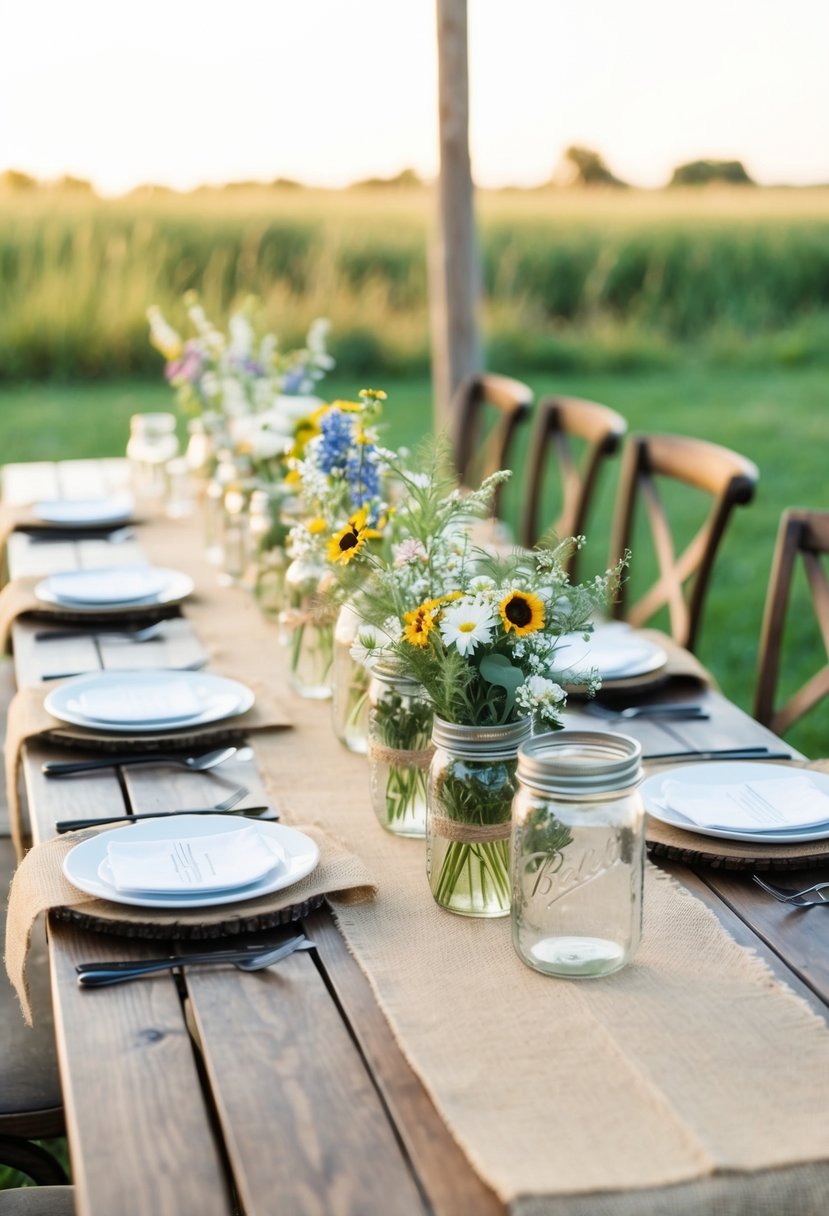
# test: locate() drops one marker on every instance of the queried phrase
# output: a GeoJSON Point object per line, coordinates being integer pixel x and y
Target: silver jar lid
{"type": "Point", "coordinates": [574, 762]}
{"type": "Point", "coordinates": [481, 742]}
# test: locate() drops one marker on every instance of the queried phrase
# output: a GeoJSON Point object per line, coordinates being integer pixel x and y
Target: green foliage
{"type": "Point", "coordinates": [574, 280]}
{"type": "Point", "coordinates": [711, 172]}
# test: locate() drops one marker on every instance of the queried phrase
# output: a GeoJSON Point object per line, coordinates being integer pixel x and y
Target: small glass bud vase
{"type": "Point", "coordinates": [306, 628]}
{"type": "Point", "coordinates": [399, 750]}
{"type": "Point", "coordinates": [577, 853]}
{"type": "Point", "coordinates": [152, 442]}
{"type": "Point", "coordinates": [471, 787]}
{"type": "Point", "coordinates": [350, 680]}
{"type": "Point", "coordinates": [267, 563]}
{"type": "Point", "coordinates": [234, 536]}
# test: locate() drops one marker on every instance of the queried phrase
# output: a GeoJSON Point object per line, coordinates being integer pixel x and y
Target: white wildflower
{"type": "Point", "coordinates": [466, 623]}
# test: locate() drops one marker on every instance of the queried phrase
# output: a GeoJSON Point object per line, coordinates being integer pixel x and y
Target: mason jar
{"type": "Point", "coordinates": [578, 853]}
{"type": "Point", "coordinates": [399, 749]}
{"type": "Point", "coordinates": [306, 629]}
{"type": "Point", "coordinates": [349, 681]}
{"type": "Point", "coordinates": [267, 563]}
{"type": "Point", "coordinates": [470, 792]}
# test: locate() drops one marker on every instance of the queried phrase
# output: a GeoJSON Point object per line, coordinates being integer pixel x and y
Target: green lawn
{"type": "Point", "coordinates": [777, 418]}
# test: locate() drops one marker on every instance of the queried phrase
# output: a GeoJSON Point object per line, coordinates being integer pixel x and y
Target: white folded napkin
{"type": "Point", "coordinates": [183, 864]}
{"type": "Point", "coordinates": [772, 805]}
{"type": "Point", "coordinates": [167, 701]}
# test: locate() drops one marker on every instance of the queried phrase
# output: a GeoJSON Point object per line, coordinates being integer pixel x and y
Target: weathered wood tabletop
{"type": "Point", "coordinates": [217, 1091]}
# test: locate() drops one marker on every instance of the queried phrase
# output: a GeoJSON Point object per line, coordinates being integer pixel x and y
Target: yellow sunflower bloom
{"type": "Point", "coordinates": [344, 545]}
{"type": "Point", "coordinates": [522, 612]}
{"type": "Point", "coordinates": [417, 625]}
{"type": "Point", "coordinates": [317, 525]}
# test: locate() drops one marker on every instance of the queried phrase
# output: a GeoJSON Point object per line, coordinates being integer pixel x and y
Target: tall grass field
{"type": "Point", "coordinates": [608, 280]}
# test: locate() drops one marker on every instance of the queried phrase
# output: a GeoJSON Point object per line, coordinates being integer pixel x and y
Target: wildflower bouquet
{"type": "Point", "coordinates": [337, 470]}
{"type": "Point", "coordinates": [482, 644]}
{"type": "Point", "coordinates": [242, 372]}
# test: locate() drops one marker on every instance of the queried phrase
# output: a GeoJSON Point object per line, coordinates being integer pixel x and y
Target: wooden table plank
{"type": "Point", "coordinates": [451, 1185]}
{"type": "Point", "coordinates": [304, 1126]}
{"type": "Point", "coordinates": [799, 937]}
{"type": "Point", "coordinates": [139, 1131]}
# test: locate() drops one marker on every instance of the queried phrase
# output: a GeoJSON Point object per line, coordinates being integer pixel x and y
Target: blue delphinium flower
{"type": "Point", "coordinates": [362, 474]}
{"type": "Point", "coordinates": [336, 441]}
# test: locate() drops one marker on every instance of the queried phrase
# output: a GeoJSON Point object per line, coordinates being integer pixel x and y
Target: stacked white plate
{"type": "Point", "coordinates": [190, 861]}
{"type": "Point", "coordinates": [85, 512]}
{"type": "Point", "coordinates": [114, 587]}
{"type": "Point", "coordinates": [759, 802]}
{"type": "Point", "coordinates": [147, 701]}
{"type": "Point", "coordinates": [614, 650]}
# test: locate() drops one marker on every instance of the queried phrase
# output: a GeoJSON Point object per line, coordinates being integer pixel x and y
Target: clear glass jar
{"type": "Point", "coordinates": [178, 493]}
{"type": "Point", "coordinates": [399, 750]}
{"type": "Point", "coordinates": [578, 853]}
{"type": "Point", "coordinates": [225, 476]}
{"type": "Point", "coordinates": [349, 680]}
{"type": "Point", "coordinates": [152, 442]}
{"type": "Point", "coordinates": [306, 628]}
{"type": "Point", "coordinates": [234, 535]}
{"type": "Point", "coordinates": [470, 792]}
{"type": "Point", "coordinates": [267, 563]}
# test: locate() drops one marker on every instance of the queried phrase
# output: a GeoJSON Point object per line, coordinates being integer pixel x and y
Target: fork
{"type": "Point", "coordinates": [196, 764]}
{"type": "Point", "coordinates": [101, 975]}
{"type": "Point", "coordinates": [796, 899]}
{"type": "Point", "coordinates": [675, 710]}
{"type": "Point", "coordinates": [71, 825]}
{"type": "Point", "coordinates": [148, 633]}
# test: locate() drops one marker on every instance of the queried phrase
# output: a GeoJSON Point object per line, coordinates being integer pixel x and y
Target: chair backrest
{"type": "Point", "coordinates": [559, 421]}
{"type": "Point", "coordinates": [682, 581]}
{"type": "Point", "coordinates": [480, 451]}
{"type": "Point", "coordinates": [805, 534]}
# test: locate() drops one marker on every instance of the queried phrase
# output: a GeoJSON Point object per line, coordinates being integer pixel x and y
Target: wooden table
{"type": "Point", "coordinates": [215, 1092]}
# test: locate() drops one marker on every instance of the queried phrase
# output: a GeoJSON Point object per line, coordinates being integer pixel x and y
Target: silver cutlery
{"type": "Point", "coordinates": [796, 899]}
{"type": "Point", "coordinates": [147, 633]}
{"type": "Point", "coordinates": [675, 710]}
{"type": "Point", "coordinates": [197, 665]}
{"type": "Point", "coordinates": [724, 753]}
{"type": "Point", "coordinates": [244, 812]}
{"type": "Point", "coordinates": [227, 805]}
{"type": "Point", "coordinates": [196, 764]}
{"type": "Point", "coordinates": [113, 536]}
{"type": "Point", "coordinates": [101, 975]}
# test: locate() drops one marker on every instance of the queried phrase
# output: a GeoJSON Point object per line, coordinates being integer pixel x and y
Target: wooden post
{"type": "Point", "coordinates": [454, 270]}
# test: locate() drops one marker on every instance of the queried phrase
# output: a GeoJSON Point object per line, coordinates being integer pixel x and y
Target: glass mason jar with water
{"type": "Point", "coordinates": [577, 853]}
{"type": "Point", "coordinates": [471, 787]}
{"type": "Point", "coordinates": [306, 628]}
{"type": "Point", "coordinates": [399, 749]}
{"type": "Point", "coordinates": [350, 680]}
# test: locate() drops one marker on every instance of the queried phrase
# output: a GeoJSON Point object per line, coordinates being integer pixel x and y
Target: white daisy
{"type": "Point", "coordinates": [466, 623]}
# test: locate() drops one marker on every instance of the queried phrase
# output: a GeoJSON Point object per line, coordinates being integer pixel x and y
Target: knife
{"type": "Point", "coordinates": [724, 753]}
{"type": "Point", "coordinates": [76, 825]}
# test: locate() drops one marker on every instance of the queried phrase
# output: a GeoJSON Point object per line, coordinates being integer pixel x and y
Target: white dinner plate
{"type": "Point", "coordinates": [176, 587]}
{"type": "Point", "coordinates": [85, 512]}
{"type": "Point", "coordinates": [81, 864]}
{"type": "Point", "coordinates": [108, 585]}
{"type": "Point", "coordinates": [147, 701]}
{"type": "Point", "coordinates": [698, 778]}
{"type": "Point", "coordinates": [615, 650]}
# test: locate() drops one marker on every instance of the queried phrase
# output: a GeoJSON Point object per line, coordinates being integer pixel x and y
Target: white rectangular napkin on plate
{"type": "Point", "coordinates": [793, 801]}
{"type": "Point", "coordinates": [185, 863]}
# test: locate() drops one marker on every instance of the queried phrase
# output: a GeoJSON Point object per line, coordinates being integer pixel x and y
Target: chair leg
{"type": "Point", "coordinates": [33, 1160]}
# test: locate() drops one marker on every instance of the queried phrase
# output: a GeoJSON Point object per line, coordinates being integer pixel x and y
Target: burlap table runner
{"type": "Point", "coordinates": [39, 886]}
{"type": "Point", "coordinates": [690, 1071]}
{"type": "Point", "coordinates": [28, 718]}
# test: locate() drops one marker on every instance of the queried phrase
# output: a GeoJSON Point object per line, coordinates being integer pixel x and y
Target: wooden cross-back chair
{"type": "Point", "coordinates": [476, 453]}
{"type": "Point", "coordinates": [803, 534]}
{"type": "Point", "coordinates": [683, 580]}
{"type": "Point", "coordinates": [559, 421]}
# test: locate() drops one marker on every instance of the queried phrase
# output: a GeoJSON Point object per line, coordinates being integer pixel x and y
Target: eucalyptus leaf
{"type": "Point", "coordinates": [496, 669]}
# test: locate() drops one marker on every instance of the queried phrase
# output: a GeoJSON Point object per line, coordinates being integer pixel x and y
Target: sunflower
{"type": "Point", "coordinates": [522, 612]}
{"type": "Point", "coordinates": [417, 625]}
{"type": "Point", "coordinates": [347, 543]}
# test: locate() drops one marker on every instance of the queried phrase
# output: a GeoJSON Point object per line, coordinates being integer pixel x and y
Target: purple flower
{"type": "Point", "coordinates": [293, 381]}
{"type": "Point", "coordinates": [188, 367]}
{"type": "Point", "coordinates": [336, 441]}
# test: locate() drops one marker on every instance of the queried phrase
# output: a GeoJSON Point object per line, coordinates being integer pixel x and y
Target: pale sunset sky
{"type": "Point", "coordinates": [181, 92]}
